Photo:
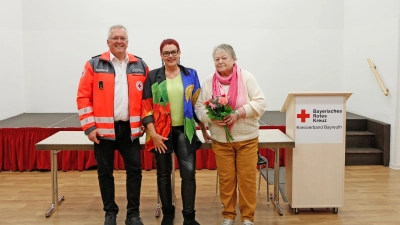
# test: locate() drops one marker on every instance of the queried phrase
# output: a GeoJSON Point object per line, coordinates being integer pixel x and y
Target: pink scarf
{"type": "Point", "coordinates": [236, 92]}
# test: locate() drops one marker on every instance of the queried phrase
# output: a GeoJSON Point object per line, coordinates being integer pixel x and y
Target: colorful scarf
{"type": "Point", "coordinates": [236, 92]}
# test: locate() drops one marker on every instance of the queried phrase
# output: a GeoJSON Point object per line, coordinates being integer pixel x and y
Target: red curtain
{"type": "Point", "coordinates": [18, 153]}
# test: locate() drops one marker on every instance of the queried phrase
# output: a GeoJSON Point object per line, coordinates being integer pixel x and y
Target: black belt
{"type": "Point", "coordinates": [121, 122]}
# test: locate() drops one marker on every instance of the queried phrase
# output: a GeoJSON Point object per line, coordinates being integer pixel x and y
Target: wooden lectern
{"type": "Point", "coordinates": [316, 121]}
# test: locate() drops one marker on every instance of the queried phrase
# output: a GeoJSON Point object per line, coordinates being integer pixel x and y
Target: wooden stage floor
{"type": "Point", "coordinates": [371, 197]}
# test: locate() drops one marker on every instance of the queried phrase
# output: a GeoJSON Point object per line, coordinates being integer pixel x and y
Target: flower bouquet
{"type": "Point", "coordinates": [217, 109]}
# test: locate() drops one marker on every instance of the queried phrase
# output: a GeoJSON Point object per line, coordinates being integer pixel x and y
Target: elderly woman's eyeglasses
{"type": "Point", "coordinates": [167, 53]}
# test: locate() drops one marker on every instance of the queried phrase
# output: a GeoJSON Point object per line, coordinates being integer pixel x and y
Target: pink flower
{"type": "Point", "coordinates": [223, 100]}
{"type": "Point", "coordinates": [212, 105]}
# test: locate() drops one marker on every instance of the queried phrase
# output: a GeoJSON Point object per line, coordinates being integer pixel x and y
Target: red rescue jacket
{"type": "Point", "coordinates": [95, 98]}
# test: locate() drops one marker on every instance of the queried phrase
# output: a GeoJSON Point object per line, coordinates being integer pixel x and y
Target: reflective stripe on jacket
{"type": "Point", "coordinates": [95, 98]}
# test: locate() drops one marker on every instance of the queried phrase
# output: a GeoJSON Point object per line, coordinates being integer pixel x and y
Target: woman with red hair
{"type": "Point", "coordinates": [170, 93]}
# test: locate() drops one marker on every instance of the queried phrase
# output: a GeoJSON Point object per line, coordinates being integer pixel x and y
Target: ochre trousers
{"type": "Point", "coordinates": [236, 165]}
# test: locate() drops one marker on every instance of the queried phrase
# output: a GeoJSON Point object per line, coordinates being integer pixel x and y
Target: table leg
{"type": "Point", "coordinates": [276, 183]}
{"type": "Point", "coordinates": [54, 183]}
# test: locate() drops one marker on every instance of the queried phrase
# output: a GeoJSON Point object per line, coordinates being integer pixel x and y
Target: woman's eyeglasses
{"type": "Point", "coordinates": [167, 53]}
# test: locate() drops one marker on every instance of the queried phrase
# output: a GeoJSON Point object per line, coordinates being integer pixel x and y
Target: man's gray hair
{"type": "Point", "coordinates": [225, 47]}
{"type": "Point", "coordinates": [118, 26]}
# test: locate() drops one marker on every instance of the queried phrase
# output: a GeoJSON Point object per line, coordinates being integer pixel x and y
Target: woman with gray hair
{"type": "Point", "coordinates": [236, 160]}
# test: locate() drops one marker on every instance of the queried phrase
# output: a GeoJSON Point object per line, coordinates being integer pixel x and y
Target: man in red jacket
{"type": "Point", "coordinates": [109, 104]}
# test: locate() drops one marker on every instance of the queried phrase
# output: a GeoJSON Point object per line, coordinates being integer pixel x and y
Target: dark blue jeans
{"type": "Point", "coordinates": [130, 152]}
{"type": "Point", "coordinates": [187, 169]}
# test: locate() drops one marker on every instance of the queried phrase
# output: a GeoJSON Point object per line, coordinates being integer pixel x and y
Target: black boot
{"type": "Point", "coordinates": [110, 219]}
{"type": "Point", "coordinates": [168, 215]}
{"type": "Point", "coordinates": [188, 218]}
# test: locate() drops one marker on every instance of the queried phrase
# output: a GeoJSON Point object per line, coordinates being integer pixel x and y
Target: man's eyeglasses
{"type": "Point", "coordinates": [118, 38]}
{"type": "Point", "coordinates": [167, 53]}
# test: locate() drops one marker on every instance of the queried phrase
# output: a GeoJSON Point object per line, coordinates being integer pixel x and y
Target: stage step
{"type": "Point", "coordinates": [360, 139]}
{"type": "Point", "coordinates": [367, 141]}
{"type": "Point", "coordinates": [363, 156]}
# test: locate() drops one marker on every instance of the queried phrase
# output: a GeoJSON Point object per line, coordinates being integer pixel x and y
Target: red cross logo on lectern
{"type": "Point", "coordinates": [303, 115]}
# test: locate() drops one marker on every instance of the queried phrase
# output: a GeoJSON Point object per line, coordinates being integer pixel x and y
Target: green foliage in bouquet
{"type": "Point", "coordinates": [217, 109]}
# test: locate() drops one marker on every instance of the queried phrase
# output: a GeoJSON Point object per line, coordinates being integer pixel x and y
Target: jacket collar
{"type": "Point", "coordinates": [183, 69]}
{"type": "Point", "coordinates": [106, 56]}
{"type": "Point", "coordinates": [161, 73]}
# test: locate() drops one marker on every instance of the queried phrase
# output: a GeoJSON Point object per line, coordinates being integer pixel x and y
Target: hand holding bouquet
{"type": "Point", "coordinates": [217, 109]}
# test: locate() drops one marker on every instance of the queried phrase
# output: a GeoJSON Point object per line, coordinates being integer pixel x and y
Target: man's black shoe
{"type": "Point", "coordinates": [110, 219]}
{"type": "Point", "coordinates": [134, 220]}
